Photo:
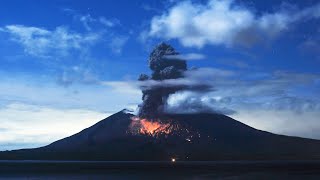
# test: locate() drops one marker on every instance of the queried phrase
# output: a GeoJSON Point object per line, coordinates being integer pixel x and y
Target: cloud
{"type": "Point", "coordinates": [68, 10]}
{"type": "Point", "coordinates": [295, 104]}
{"type": "Point", "coordinates": [108, 22]}
{"type": "Point", "coordinates": [96, 97]}
{"type": "Point", "coordinates": [234, 63]}
{"type": "Point", "coordinates": [224, 91]}
{"type": "Point", "coordinates": [240, 84]}
{"type": "Point", "coordinates": [3, 129]}
{"type": "Point", "coordinates": [147, 7]}
{"type": "Point", "coordinates": [186, 102]}
{"type": "Point", "coordinates": [62, 41]}
{"type": "Point", "coordinates": [117, 43]}
{"type": "Point", "coordinates": [77, 74]}
{"type": "Point", "coordinates": [223, 22]}
{"type": "Point", "coordinates": [282, 121]}
{"type": "Point", "coordinates": [279, 102]}
{"type": "Point", "coordinates": [74, 48]}
{"type": "Point", "coordinates": [34, 126]}
{"type": "Point", "coordinates": [198, 79]}
{"type": "Point", "coordinates": [277, 90]}
{"type": "Point", "coordinates": [311, 46]}
{"type": "Point", "coordinates": [188, 57]}
{"type": "Point", "coordinates": [46, 43]}
{"type": "Point", "coordinates": [124, 87]}
{"type": "Point", "coordinates": [88, 21]}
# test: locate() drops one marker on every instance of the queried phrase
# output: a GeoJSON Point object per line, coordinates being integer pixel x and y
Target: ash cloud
{"type": "Point", "coordinates": [171, 76]}
{"type": "Point", "coordinates": [155, 98]}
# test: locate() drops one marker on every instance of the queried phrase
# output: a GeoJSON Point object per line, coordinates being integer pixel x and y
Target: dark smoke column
{"type": "Point", "coordinates": [164, 66]}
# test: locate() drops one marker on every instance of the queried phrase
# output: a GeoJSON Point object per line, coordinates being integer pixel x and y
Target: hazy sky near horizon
{"type": "Point", "coordinates": [66, 64]}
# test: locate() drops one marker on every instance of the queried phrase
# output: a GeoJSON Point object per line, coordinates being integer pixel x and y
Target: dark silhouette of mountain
{"type": "Point", "coordinates": [203, 136]}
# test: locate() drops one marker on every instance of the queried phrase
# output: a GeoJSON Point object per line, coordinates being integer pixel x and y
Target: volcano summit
{"type": "Point", "coordinates": [155, 134]}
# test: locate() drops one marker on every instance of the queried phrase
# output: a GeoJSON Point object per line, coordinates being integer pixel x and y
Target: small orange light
{"type": "Point", "coordinates": [173, 160]}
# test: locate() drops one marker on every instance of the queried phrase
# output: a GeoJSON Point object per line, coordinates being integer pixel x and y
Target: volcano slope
{"type": "Point", "coordinates": [192, 137]}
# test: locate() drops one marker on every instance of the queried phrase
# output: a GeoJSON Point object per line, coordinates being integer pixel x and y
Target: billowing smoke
{"type": "Point", "coordinates": [155, 97]}
{"type": "Point", "coordinates": [189, 102]}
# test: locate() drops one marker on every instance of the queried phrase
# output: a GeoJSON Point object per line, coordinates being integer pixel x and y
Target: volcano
{"type": "Point", "coordinates": [156, 134]}
{"type": "Point", "coordinates": [190, 137]}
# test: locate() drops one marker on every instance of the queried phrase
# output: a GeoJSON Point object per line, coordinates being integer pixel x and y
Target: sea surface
{"type": "Point", "coordinates": [225, 170]}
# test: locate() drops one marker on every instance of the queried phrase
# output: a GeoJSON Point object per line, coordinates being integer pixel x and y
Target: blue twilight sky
{"type": "Point", "coordinates": [66, 64]}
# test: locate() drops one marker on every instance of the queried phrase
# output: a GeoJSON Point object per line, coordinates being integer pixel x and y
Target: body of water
{"type": "Point", "coordinates": [159, 170]}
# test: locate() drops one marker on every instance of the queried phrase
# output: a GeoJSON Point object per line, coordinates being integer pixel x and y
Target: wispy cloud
{"type": "Point", "coordinates": [77, 74]}
{"type": "Point", "coordinates": [46, 92]}
{"type": "Point", "coordinates": [72, 46]}
{"type": "Point", "coordinates": [63, 41]}
{"type": "Point", "coordinates": [188, 56]}
{"type": "Point", "coordinates": [117, 43]}
{"type": "Point", "coordinates": [278, 90]}
{"type": "Point", "coordinates": [124, 86]}
{"type": "Point", "coordinates": [148, 7]}
{"type": "Point", "coordinates": [108, 22]}
{"type": "Point", "coordinates": [311, 47]}
{"type": "Point", "coordinates": [223, 22]}
{"type": "Point", "coordinates": [217, 89]}
{"type": "Point", "coordinates": [45, 43]}
{"type": "Point", "coordinates": [88, 21]}
{"type": "Point", "coordinates": [282, 121]}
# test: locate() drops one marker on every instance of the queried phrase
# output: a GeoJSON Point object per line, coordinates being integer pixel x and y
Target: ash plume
{"type": "Point", "coordinates": [155, 98]}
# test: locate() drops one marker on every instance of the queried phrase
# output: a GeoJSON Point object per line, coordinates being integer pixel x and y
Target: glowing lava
{"type": "Point", "coordinates": [157, 128]}
{"type": "Point", "coordinates": [151, 128]}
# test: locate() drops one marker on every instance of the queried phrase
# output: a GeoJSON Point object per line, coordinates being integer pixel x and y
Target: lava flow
{"type": "Point", "coordinates": [151, 128]}
{"type": "Point", "coordinates": [156, 128]}
{"type": "Point", "coordinates": [148, 127]}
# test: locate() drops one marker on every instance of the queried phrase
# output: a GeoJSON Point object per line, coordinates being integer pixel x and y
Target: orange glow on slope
{"type": "Point", "coordinates": [152, 128]}
{"type": "Point", "coordinates": [158, 127]}
{"type": "Point", "coordinates": [147, 127]}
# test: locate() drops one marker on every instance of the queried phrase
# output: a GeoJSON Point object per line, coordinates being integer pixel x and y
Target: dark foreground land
{"type": "Point", "coordinates": [159, 170]}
